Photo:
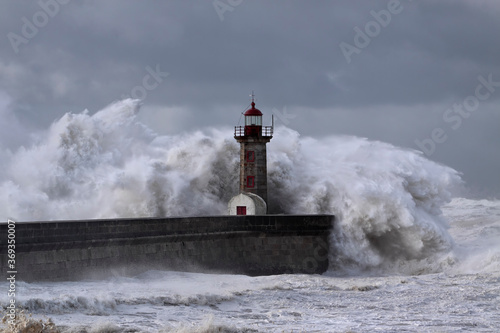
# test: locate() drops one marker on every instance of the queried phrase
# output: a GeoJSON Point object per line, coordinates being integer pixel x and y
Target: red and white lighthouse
{"type": "Point", "coordinates": [253, 138]}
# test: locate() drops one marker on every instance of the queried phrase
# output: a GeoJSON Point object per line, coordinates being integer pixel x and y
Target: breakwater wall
{"type": "Point", "coordinates": [252, 245]}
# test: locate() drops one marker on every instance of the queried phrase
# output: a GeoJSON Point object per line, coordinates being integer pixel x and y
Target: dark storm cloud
{"type": "Point", "coordinates": [396, 88]}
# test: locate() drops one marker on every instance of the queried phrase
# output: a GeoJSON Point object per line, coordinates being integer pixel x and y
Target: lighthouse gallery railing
{"type": "Point", "coordinates": [265, 130]}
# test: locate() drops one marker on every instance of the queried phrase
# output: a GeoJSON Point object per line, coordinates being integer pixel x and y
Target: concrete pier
{"type": "Point", "coordinates": [252, 245]}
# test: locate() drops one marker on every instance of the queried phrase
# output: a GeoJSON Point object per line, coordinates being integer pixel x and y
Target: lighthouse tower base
{"type": "Point", "coordinates": [247, 204]}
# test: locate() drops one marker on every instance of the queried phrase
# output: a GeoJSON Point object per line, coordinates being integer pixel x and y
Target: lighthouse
{"type": "Point", "coordinates": [252, 138]}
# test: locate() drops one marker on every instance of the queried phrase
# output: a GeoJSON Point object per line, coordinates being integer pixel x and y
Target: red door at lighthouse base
{"type": "Point", "coordinates": [241, 210]}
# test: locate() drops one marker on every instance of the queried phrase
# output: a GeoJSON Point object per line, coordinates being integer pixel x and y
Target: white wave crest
{"type": "Point", "coordinates": [386, 199]}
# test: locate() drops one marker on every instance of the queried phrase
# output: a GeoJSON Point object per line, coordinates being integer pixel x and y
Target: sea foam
{"type": "Point", "coordinates": [387, 200]}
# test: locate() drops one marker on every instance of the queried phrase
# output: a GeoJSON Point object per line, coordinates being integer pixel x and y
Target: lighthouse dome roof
{"type": "Point", "coordinates": [253, 111]}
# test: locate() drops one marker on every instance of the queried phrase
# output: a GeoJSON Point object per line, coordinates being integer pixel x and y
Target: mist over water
{"type": "Point", "coordinates": [405, 256]}
{"type": "Point", "coordinates": [109, 165]}
{"type": "Point", "coordinates": [387, 200]}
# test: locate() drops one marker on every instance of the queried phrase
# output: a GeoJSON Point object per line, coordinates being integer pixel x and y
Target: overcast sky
{"type": "Point", "coordinates": [418, 74]}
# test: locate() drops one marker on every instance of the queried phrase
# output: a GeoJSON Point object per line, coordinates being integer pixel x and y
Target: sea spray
{"type": "Point", "coordinates": [475, 226]}
{"type": "Point", "coordinates": [24, 323]}
{"type": "Point", "coordinates": [109, 165]}
{"type": "Point", "coordinates": [386, 199]}
{"type": "Point", "coordinates": [464, 295]}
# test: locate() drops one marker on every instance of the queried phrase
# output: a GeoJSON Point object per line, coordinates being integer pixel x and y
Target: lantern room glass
{"type": "Point", "coordinates": [253, 120]}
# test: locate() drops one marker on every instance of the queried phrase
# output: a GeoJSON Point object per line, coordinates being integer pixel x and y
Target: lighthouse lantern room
{"type": "Point", "coordinates": [253, 138]}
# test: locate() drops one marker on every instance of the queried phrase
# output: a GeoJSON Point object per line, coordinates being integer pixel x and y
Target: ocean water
{"type": "Point", "coordinates": [405, 255]}
{"type": "Point", "coordinates": [458, 291]}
